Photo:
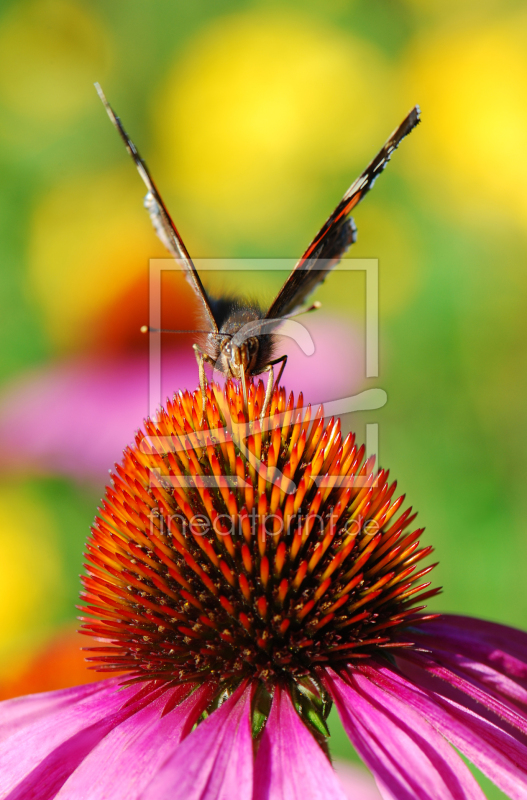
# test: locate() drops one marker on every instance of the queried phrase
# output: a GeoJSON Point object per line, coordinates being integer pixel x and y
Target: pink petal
{"type": "Point", "coordinates": [489, 745]}
{"type": "Point", "coordinates": [493, 639]}
{"type": "Point", "coordinates": [502, 648]}
{"type": "Point", "coordinates": [493, 681]}
{"type": "Point", "coordinates": [38, 758]}
{"type": "Point", "coordinates": [483, 661]}
{"type": "Point", "coordinates": [356, 782]}
{"type": "Point", "coordinates": [480, 688]}
{"type": "Point", "coordinates": [78, 721]}
{"type": "Point", "coordinates": [76, 418]}
{"type": "Point", "coordinates": [290, 765]}
{"type": "Point", "coordinates": [130, 755]}
{"type": "Point", "coordinates": [408, 758]}
{"type": "Point", "coordinates": [215, 762]}
{"type": "Point", "coordinates": [20, 712]}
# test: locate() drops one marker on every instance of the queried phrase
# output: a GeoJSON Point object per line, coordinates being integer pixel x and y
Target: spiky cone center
{"type": "Point", "coordinates": [229, 548]}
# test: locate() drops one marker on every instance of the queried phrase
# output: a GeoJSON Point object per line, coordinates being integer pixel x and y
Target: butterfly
{"type": "Point", "coordinates": [240, 339]}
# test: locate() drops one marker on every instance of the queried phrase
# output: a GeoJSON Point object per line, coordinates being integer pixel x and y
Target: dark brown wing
{"type": "Point", "coordinates": [161, 219]}
{"type": "Point", "coordinates": [338, 232]}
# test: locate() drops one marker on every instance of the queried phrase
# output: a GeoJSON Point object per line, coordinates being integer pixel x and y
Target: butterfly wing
{"type": "Point", "coordinates": [161, 219]}
{"type": "Point", "coordinates": [338, 232]}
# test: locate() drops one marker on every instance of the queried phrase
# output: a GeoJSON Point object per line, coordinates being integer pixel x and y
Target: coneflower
{"type": "Point", "coordinates": [243, 575]}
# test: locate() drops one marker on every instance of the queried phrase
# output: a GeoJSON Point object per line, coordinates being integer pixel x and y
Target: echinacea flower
{"type": "Point", "coordinates": [242, 576]}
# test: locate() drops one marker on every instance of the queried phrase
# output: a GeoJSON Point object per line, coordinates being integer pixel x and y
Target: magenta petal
{"type": "Point", "coordinates": [457, 676]}
{"type": "Point", "coordinates": [498, 643]}
{"type": "Point", "coordinates": [38, 758]}
{"type": "Point", "coordinates": [496, 752]}
{"type": "Point", "coordinates": [21, 712]}
{"type": "Point", "coordinates": [290, 765]}
{"type": "Point", "coordinates": [408, 758]}
{"type": "Point", "coordinates": [493, 681]}
{"type": "Point", "coordinates": [130, 755]}
{"type": "Point", "coordinates": [215, 762]}
{"type": "Point", "coordinates": [487, 644]}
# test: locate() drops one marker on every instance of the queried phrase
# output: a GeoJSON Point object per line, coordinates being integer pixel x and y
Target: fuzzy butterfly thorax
{"type": "Point", "coordinates": [244, 343]}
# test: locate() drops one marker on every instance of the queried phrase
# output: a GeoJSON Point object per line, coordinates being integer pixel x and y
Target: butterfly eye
{"type": "Point", "coordinates": [226, 347]}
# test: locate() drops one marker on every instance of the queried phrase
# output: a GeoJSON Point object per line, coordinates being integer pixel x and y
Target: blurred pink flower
{"type": "Point", "coordinates": [76, 417]}
{"type": "Point", "coordinates": [356, 782]}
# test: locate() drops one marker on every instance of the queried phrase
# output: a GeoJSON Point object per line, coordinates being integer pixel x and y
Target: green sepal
{"type": "Point", "coordinates": [260, 711]}
{"type": "Point", "coordinates": [316, 719]}
{"type": "Point", "coordinates": [312, 704]}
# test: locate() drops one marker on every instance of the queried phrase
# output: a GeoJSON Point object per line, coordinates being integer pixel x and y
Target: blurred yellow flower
{"type": "Point", "coordinates": [388, 233]}
{"type": "Point", "coordinates": [90, 240]}
{"type": "Point", "coordinates": [30, 569]}
{"type": "Point", "coordinates": [260, 113]}
{"type": "Point", "coordinates": [48, 50]}
{"type": "Point", "coordinates": [445, 8]}
{"type": "Point", "coordinates": [471, 83]}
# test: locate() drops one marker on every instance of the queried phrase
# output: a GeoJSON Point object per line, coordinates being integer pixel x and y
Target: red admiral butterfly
{"type": "Point", "coordinates": [240, 340]}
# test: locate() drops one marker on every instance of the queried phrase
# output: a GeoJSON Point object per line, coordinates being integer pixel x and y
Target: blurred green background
{"type": "Point", "coordinates": [254, 118]}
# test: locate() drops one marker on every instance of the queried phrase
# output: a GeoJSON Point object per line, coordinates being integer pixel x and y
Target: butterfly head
{"type": "Point", "coordinates": [237, 357]}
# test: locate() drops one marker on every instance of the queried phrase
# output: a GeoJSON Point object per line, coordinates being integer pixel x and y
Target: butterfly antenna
{"type": "Point", "coordinates": [313, 307]}
{"type": "Point", "coordinates": [148, 329]}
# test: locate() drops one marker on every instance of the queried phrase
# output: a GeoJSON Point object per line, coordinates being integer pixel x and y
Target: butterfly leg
{"type": "Point", "coordinates": [244, 386]}
{"type": "Point", "coordinates": [271, 382]}
{"type": "Point", "coordinates": [203, 383]}
{"type": "Point", "coordinates": [283, 360]}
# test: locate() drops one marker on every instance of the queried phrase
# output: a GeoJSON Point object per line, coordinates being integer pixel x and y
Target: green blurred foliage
{"type": "Point", "coordinates": [252, 152]}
